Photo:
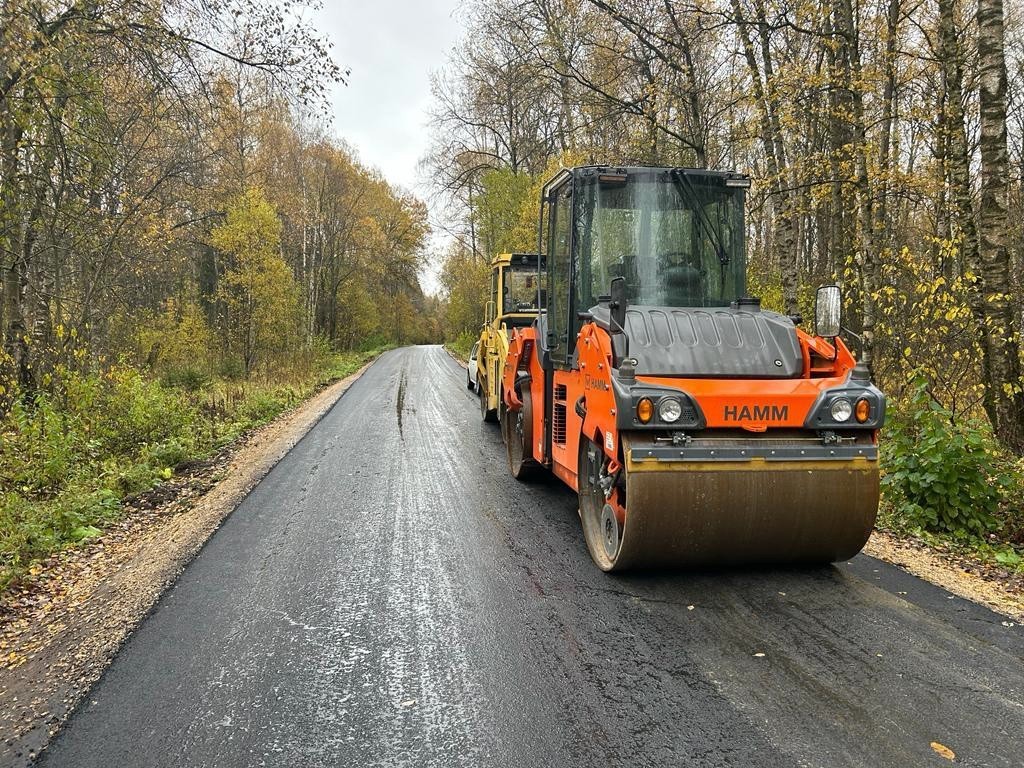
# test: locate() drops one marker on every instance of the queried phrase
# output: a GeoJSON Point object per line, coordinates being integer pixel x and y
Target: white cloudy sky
{"type": "Point", "coordinates": [391, 46]}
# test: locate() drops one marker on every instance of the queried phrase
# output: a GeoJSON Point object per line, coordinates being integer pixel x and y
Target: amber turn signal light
{"type": "Point", "coordinates": [645, 410]}
{"type": "Point", "coordinates": [862, 410]}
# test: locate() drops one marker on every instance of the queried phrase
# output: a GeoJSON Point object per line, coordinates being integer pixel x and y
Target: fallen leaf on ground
{"type": "Point", "coordinates": [943, 750]}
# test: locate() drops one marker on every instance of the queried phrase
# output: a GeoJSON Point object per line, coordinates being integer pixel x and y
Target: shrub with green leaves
{"type": "Point", "coordinates": [942, 475]}
{"type": "Point", "coordinates": [188, 378]}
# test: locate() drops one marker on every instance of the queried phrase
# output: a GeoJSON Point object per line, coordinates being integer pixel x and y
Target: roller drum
{"type": "Point", "coordinates": [698, 514]}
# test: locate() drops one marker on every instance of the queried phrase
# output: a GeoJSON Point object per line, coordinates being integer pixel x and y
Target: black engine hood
{"type": "Point", "coordinates": [711, 342]}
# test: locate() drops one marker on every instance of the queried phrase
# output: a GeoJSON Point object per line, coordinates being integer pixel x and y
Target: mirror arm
{"type": "Point", "coordinates": [848, 332]}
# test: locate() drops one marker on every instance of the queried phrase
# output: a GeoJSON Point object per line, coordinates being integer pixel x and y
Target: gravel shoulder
{"type": "Point", "coordinates": [965, 577]}
{"type": "Point", "coordinates": [61, 630]}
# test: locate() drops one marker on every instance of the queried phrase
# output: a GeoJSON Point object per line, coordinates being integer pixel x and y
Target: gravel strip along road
{"type": "Point", "coordinates": [389, 596]}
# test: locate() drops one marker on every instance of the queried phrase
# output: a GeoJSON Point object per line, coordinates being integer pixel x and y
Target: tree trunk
{"type": "Point", "coordinates": [14, 363]}
{"type": "Point", "coordinates": [850, 85]}
{"type": "Point", "coordinates": [1002, 326]}
{"type": "Point", "coordinates": [784, 240]}
{"type": "Point", "coordinates": [958, 163]}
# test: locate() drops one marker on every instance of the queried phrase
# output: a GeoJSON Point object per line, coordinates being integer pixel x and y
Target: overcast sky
{"type": "Point", "coordinates": [391, 46]}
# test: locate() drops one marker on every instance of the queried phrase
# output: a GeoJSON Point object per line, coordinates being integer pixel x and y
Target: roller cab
{"type": "Point", "coordinates": [697, 428]}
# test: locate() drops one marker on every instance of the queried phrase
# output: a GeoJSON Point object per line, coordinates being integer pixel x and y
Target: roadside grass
{"type": "Point", "coordinates": [461, 345]}
{"type": "Point", "coordinates": [70, 461]}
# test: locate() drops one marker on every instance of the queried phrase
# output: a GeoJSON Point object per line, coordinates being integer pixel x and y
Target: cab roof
{"type": "Point", "coordinates": [517, 258]}
{"type": "Point", "coordinates": [583, 171]}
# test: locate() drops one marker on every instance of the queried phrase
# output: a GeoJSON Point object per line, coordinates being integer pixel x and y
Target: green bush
{"type": "Point", "coordinates": [231, 368]}
{"type": "Point", "coordinates": [32, 529]}
{"type": "Point", "coordinates": [135, 412]}
{"type": "Point", "coordinates": [463, 343]}
{"type": "Point", "coordinates": [942, 476]}
{"type": "Point", "coordinates": [188, 378]}
{"type": "Point", "coordinates": [373, 343]}
{"type": "Point", "coordinates": [170, 453]}
{"type": "Point", "coordinates": [263, 406]}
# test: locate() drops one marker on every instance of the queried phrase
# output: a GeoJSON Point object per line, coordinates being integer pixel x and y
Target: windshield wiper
{"type": "Point", "coordinates": [686, 186]}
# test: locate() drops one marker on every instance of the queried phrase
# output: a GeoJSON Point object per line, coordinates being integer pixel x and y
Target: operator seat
{"type": "Point", "coordinates": [682, 286]}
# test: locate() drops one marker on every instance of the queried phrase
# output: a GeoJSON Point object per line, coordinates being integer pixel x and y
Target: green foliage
{"type": "Point", "coordinates": [188, 378]}
{"type": "Point", "coordinates": [943, 476]}
{"type": "Point", "coordinates": [1009, 557]}
{"type": "Point", "coordinates": [264, 406]}
{"type": "Point", "coordinates": [178, 344]}
{"type": "Point", "coordinates": [258, 289]}
{"type": "Point", "coordinates": [926, 327]}
{"type": "Point", "coordinates": [463, 344]}
{"type": "Point", "coordinates": [464, 279]}
{"type": "Point", "coordinates": [359, 317]}
{"type": "Point", "coordinates": [503, 195]}
{"type": "Point", "coordinates": [68, 458]}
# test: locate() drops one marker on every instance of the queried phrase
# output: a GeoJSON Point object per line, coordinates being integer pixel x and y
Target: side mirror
{"type": "Point", "coordinates": [489, 311]}
{"type": "Point", "coordinates": [828, 311]}
{"type": "Point", "coordinates": [617, 304]}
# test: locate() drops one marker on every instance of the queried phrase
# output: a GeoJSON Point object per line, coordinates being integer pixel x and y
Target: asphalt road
{"type": "Point", "coordinates": [389, 596]}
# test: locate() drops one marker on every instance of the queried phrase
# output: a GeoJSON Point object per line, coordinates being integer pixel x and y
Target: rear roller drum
{"type": "Point", "coordinates": [517, 430]}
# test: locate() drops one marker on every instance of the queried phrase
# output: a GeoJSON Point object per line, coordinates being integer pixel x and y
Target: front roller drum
{"type": "Point", "coordinates": [487, 414]}
{"type": "Point", "coordinates": [709, 514]}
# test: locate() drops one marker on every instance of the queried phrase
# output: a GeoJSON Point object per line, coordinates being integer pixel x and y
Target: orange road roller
{"type": "Point", "coordinates": [697, 428]}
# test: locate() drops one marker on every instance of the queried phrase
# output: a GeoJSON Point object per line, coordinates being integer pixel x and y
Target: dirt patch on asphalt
{"type": "Point", "coordinates": [997, 588]}
{"type": "Point", "coordinates": [62, 626]}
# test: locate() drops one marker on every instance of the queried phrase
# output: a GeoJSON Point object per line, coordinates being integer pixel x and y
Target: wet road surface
{"type": "Point", "coordinates": [389, 596]}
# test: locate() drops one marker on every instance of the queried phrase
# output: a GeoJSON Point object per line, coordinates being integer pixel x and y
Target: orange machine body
{"type": "Point", "coordinates": [752, 405]}
{"type": "Point", "coordinates": [696, 428]}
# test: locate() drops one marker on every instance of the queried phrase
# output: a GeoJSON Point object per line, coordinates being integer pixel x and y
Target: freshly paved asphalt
{"type": "Point", "coordinates": [389, 596]}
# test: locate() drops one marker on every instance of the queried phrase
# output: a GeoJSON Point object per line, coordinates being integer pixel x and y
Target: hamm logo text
{"type": "Point", "coordinates": [756, 412]}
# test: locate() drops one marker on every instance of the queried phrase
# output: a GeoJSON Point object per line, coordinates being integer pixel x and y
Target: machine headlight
{"type": "Point", "coordinates": [669, 410]}
{"type": "Point", "coordinates": [841, 409]}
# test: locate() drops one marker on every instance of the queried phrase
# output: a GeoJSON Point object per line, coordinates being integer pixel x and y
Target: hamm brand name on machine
{"type": "Point", "coordinates": [756, 413]}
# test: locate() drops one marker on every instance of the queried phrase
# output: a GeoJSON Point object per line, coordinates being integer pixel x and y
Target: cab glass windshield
{"type": "Point", "coordinates": [676, 239]}
{"type": "Point", "coordinates": [521, 289]}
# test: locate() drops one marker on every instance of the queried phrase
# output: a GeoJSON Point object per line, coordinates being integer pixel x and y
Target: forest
{"type": "Point", "coordinates": [886, 144]}
{"type": "Point", "coordinates": [185, 248]}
